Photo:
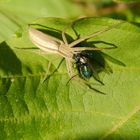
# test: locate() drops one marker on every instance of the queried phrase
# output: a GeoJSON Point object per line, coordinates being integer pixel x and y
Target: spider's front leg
{"type": "Point", "coordinates": [72, 76]}
{"type": "Point", "coordinates": [74, 43]}
{"type": "Point", "coordinates": [64, 36]}
{"type": "Point", "coordinates": [75, 76]}
{"type": "Point", "coordinates": [79, 49]}
{"type": "Point", "coordinates": [69, 67]}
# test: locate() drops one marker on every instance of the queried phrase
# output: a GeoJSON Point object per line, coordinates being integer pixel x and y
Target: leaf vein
{"type": "Point", "coordinates": [121, 122]}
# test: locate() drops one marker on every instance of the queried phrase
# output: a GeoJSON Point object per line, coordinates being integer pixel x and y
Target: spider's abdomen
{"type": "Point", "coordinates": [43, 41]}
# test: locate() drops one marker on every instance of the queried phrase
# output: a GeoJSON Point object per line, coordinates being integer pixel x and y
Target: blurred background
{"type": "Point", "coordinates": [129, 11]}
{"type": "Point", "coordinates": [15, 14]}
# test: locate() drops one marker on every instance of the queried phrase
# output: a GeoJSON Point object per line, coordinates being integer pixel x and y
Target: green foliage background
{"type": "Point", "coordinates": [32, 110]}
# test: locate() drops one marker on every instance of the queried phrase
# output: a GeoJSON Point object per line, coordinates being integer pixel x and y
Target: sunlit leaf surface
{"type": "Point", "coordinates": [34, 110]}
{"type": "Point", "coordinates": [14, 14]}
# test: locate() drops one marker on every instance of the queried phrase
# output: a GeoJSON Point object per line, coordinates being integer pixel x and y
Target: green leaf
{"type": "Point", "coordinates": [14, 16]}
{"type": "Point", "coordinates": [31, 109]}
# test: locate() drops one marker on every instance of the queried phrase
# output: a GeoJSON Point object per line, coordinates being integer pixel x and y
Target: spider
{"type": "Point", "coordinates": [71, 52]}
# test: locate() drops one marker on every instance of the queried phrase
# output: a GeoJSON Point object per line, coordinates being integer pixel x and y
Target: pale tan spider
{"type": "Point", "coordinates": [51, 44]}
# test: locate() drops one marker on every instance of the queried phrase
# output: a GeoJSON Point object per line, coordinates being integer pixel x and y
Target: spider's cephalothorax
{"type": "Point", "coordinates": [83, 65]}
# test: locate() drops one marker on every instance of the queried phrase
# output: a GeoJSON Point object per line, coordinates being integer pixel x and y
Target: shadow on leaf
{"type": "Point", "coordinates": [10, 65]}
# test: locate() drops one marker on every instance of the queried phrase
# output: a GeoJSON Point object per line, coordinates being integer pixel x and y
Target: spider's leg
{"type": "Point", "coordinates": [69, 67]}
{"type": "Point", "coordinates": [74, 43]}
{"type": "Point", "coordinates": [64, 36]}
{"type": "Point", "coordinates": [79, 49]}
{"type": "Point", "coordinates": [65, 40]}
{"type": "Point", "coordinates": [70, 70]}
{"type": "Point", "coordinates": [46, 74]}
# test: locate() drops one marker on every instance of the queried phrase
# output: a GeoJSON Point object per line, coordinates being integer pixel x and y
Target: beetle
{"type": "Point", "coordinates": [83, 65]}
